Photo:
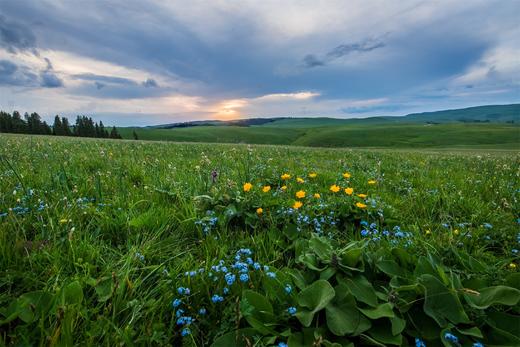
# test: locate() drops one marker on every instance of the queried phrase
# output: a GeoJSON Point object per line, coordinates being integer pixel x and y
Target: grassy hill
{"type": "Point", "coordinates": [483, 126]}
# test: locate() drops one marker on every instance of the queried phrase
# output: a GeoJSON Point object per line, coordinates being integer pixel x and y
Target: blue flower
{"type": "Point", "coordinates": [282, 344]}
{"type": "Point", "coordinates": [244, 277]}
{"type": "Point", "coordinates": [257, 266]}
{"type": "Point", "coordinates": [478, 344]}
{"type": "Point", "coordinates": [176, 303]}
{"type": "Point", "coordinates": [179, 313]}
{"type": "Point", "coordinates": [450, 337]}
{"type": "Point", "coordinates": [230, 278]}
{"type": "Point", "coordinates": [217, 298]}
{"type": "Point", "coordinates": [292, 310]}
{"type": "Point", "coordinates": [184, 320]}
{"type": "Point", "coordinates": [271, 274]}
{"type": "Point", "coordinates": [183, 291]}
{"type": "Point", "coordinates": [185, 332]}
{"type": "Point", "coordinates": [202, 311]}
{"type": "Point", "coordinates": [419, 342]}
{"type": "Point", "coordinates": [364, 232]}
{"type": "Point", "coordinates": [288, 288]}
{"type": "Point", "coordinates": [488, 226]}
{"type": "Point", "coordinates": [225, 290]}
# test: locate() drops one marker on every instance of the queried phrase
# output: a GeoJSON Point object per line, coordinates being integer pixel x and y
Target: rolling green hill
{"type": "Point", "coordinates": [482, 127]}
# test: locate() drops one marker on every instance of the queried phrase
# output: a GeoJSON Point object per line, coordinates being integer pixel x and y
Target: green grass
{"type": "Point", "coordinates": [308, 133]}
{"type": "Point", "coordinates": [96, 235]}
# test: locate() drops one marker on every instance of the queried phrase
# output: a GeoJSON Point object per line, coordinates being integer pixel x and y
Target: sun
{"type": "Point", "coordinates": [229, 109]}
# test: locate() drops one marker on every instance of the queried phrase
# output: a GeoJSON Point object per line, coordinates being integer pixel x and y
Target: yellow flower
{"type": "Point", "coordinates": [317, 196]}
{"type": "Point", "coordinates": [300, 194]}
{"type": "Point", "coordinates": [372, 182]}
{"type": "Point", "coordinates": [456, 231]}
{"type": "Point", "coordinates": [334, 188]}
{"type": "Point", "coordinates": [349, 191]}
{"type": "Point", "coordinates": [346, 175]}
{"type": "Point", "coordinates": [247, 187]}
{"type": "Point", "coordinates": [361, 205]}
{"type": "Point", "coordinates": [428, 232]}
{"type": "Point", "coordinates": [362, 196]}
{"type": "Point", "coordinates": [283, 187]}
{"type": "Point", "coordinates": [300, 180]}
{"type": "Point", "coordinates": [63, 221]}
{"type": "Point", "coordinates": [313, 175]}
{"type": "Point", "coordinates": [265, 189]}
{"type": "Point", "coordinates": [259, 211]}
{"type": "Point", "coordinates": [285, 176]}
{"type": "Point", "coordinates": [297, 204]}
{"type": "Point", "coordinates": [512, 266]}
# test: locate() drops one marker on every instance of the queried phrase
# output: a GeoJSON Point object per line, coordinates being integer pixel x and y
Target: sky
{"type": "Point", "coordinates": [134, 62]}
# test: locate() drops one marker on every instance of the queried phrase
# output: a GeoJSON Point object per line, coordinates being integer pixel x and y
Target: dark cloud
{"type": "Point", "coordinates": [14, 75]}
{"type": "Point", "coordinates": [105, 79]}
{"type": "Point", "coordinates": [50, 80]}
{"type": "Point", "coordinates": [15, 37]}
{"type": "Point", "coordinates": [310, 60]}
{"type": "Point", "coordinates": [150, 82]}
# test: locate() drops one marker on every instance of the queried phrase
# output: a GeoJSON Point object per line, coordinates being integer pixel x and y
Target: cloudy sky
{"type": "Point", "coordinates": [134, 62]}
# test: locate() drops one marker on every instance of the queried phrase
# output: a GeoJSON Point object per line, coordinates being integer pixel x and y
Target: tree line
{"type": "Point", "coordinates": [33, 124]}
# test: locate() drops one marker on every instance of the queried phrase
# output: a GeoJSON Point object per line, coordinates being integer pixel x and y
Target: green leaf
{"type": "Point", "coordinates": [235, 338]}
{"type": "Point", "coordinates": [351, 259]}
{"type": "Point", "coordinates": [513, 280]}
{"type": "Point", "coordinates": [314, 298]}
{"type": "Point", "coordinates": [442, 303]}
{"type": "Point", "coordinates": [381, 331]}
{"type": "Point", "coordinates": [398, 325]}
{"type": "Point", "coordinates": [362, 290]}
{"type": "Point", "coordinates": [390, 267]}
{"type": "Point", "coordinates": [383, 310]}
{"type": "Point", "coordinates": [72, 293]}
{"type": "Point", "coordinates": [291, 232]}
{"type": "Point", "coordinates": [104, 289]}
{"type": "Point", "coordinates": [473, 331]}
{"type": "Point", "coordinates": [493, 295]}
{"type": "Point", "coordinates": [506, 329]}
{"type": "Point", "coordinates": [342, 315]}
{"type": "Point", "coordinates": [322, 248]}
{"type": "Point", "coordinates": [258, 311]}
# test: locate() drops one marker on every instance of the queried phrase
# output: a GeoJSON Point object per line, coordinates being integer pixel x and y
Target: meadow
{"type": "Point", "coordinates": [107, 242]}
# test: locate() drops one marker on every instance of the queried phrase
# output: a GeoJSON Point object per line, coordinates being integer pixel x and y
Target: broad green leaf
{"type": "Point", "coordinates": [235, 338]}
{"type": "Point", "coordinates": [316, 296]}
{"type": "Point", "coordinates": [442, 303]}
{"type": "Point", "coordinates": [513, 280]}
{"type": "Point", "coordinates": [362, 289]}
{"type": "Point", "coordinates": [390, 267]}
{"type": "Point", "coordinates": [493, 295]}
{"type": "Point", "coordinates": [383, 310]}
{"type": "Point", "coordinates": [343, 316]}
{"type": "Point", "coordinates": [104, 289]}
{"type": "Point", "coordinates": [322, 248]}
{"type": "Point", "coordinates": [398, 325]}
{"type": "Point", "coordinates": [72, 293]}
{"type": "Point", "coordinates": [382, 332]}
{"type": "Point", "coordinates": [473, 331]}
{"type": "Point", "coordinates": [351, 259]}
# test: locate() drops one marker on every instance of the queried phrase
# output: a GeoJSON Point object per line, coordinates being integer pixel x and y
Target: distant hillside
{"type": "Point", "coordinates": [477, 114]}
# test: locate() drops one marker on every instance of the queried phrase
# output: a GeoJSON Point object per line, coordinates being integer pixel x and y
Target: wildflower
{"type": "Point", "coordinates": [63, 221]}
{"type": "Point", "coordinates": [271, 274]}
{"type": "Point", "coordinates": [361, 205]}
{"type": "Point", "coordinates": [282, 344]}
{"type": "Point", "coordinates": [284, 188]}
{"type": "Point", "coordinates": [478, 344]}
{"type": "Point", "coordinates": [185, 332]}
{"type": "Point", "coordinates": [183, 291]}
{"type": "Point", "coordinates": [266, 189]}
{"type": "Point", "coordinates": [346, 175]}
{"type": "Point", "coordinates": [202, 311]}
{"type": "Point", "coordinates": [300, 180]}
{"type": "Point", "coordinates": [217, 298]}
{"type": "Point", "coordinates": [225, 290]}
{"type": "Point", "coordinates": [371, 182]}
{"type": "Point", "coordinates": [419, 342]}
{"type": "Point", "coordinates": [285, 176]}
{"type": "Point", "coordinates": [292, 310]}
{"type": "Point", "coordinates": [230, 278]}
{"type": "Point", "coordinates": [428, 232]}
{"type": "Point", "coordinates": [244, 277]}
{"type": "Point", "coordinates": [512, 266]}
{"type": "Point", "coordinates": [349, 191]}
{"type": "Point", "coordinates": [259, 211]}
{"type": "Point", "coordinates": [300, 194]}
{"type": "Point", "coordinates": [247, 187]}
{"type": "Point", "coordinates": [450, 337]}
{"type": "Point", "coordinates": [456, 231]}
{"type": "Point", "coordinates": [317, 196]}
{"type": "Point", "coordinates": [362, 196]}
{"type": "Point", "coordinates": [313, 175]}
{"type": "Point", "coordinates": [176, 303]}
{"type": "Point", "coordinates": [256, 266]}
{"type": "Point", "coordinates": [487, 226]}
{"type": "Point", "coordinates": [288, 288]}
{"type": "Point", "coordinates": [334, 188]}
{"type": "Point", "coordinates": [297, 204]}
